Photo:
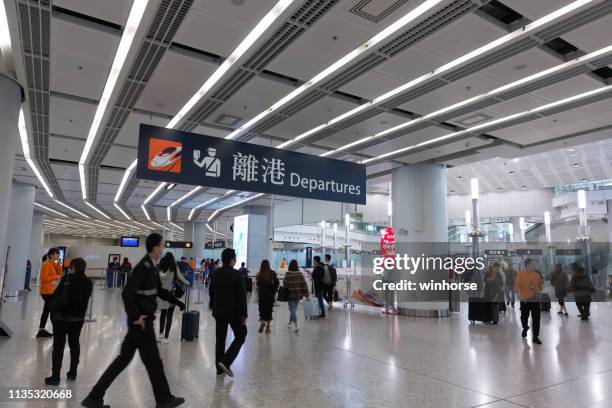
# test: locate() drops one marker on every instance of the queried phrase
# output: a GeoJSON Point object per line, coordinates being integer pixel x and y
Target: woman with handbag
{"type": "Point", "coordinates": [68, 306]}
{"type": "Point", "coordinates": [296, 288]}
{"type": "Point", "coordinates": [267, 285]}
{"type": "Point", "coordinates": [172, 280]}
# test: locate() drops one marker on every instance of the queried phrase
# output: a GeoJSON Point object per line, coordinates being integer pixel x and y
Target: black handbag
{"type": "Point", "coordinates": [283, 294]}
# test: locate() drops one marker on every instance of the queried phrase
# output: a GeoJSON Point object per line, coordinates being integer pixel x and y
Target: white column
{"type": "Point", "coordinates": [609, 202]}
{"type": "Point", "coordinates": [517, 236]}
{"type": "Point", "coordinates": [420, 225]}
{"type": "Point", "coordinates": [196, 232]}
{"type": "Point", "coordinates": [10, 101]}
{"type": "Point", "coordinates": [18, 231]}
{"type": "Point", "coordinates": [36, 238]}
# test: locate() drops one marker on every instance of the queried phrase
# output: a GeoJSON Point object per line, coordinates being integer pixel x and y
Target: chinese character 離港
{"type": "Point", "coordinates": [245, 167]}
{"type": "Point", "coordinates": [275, 168]}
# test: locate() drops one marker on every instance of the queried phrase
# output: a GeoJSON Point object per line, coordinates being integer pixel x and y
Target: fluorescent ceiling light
{"type": "Point", "coordinates": [180, 199]}
{"type": "Point", "coordinates": [193, 210]}
{"type": "Point", "coordinates": [25, 146]}
{"type": "Point", "coordinates": [176, 226]}
{"type": "Point", "coordinates": [215, 232]}
{"type": "Point", "coordinates": [479, 128]}
{"type": "Point", "coordinates": [159, 225]}
{"type": "Point", "coordinates": [72, 209]}
{"type": "Point", "coordinates": [117, 206]}
{"type": "Point", "coordinates": [248, 41]}
{"type": "Point", "coordinates": [141, 224]}
{"type": "Point", "coordinates": [519, 33]}
{"type": "Point", "coordinates": [171, 186]}
{"type": "Point", "coordinates": [433, 115]}
{"type": "Point", "coordinates": [133, 21]}
{"type": "Point", "coordinates": [169, 213]}
{"type": "Point", "coordinates": [144, 210]}
{"type": "Point", "coordinates": [336, 66]}
{"type": "Point", "coordinates": [97, 209]}
{"type": "Point", "coordinates": [50, 209]}
{"type": "Point", "coordinates": [5, 35]}
{"type": "Point", "coordinates": [227, 207]}
{"type": "Point", "coordinates": [154, 193]}
{"type": "Point", "coordinates": [124, 180]}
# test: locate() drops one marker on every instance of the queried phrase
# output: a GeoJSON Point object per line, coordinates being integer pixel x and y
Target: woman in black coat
{"type": "Point", "coordinates": [267, 286]}
{"type": "Point", "coordinates": [583, 288]}
{"type": "Point", "coordinates": [68, 306]}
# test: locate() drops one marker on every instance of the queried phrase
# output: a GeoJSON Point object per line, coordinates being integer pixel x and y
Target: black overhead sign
{"type": "Point", "coordinates": [179, 244]}
{"type": "Point", "coordinates": [189, 158]}
{"type": "Point", "coordinates": [496, 252]}
{"type": "Point", "coordinates": [528, 252]}
{"type": "Point", "coordinates": [217, 245]}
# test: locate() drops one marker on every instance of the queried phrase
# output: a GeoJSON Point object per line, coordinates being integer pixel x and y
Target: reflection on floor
{"type": "Point", "coordinates": [351, 359]}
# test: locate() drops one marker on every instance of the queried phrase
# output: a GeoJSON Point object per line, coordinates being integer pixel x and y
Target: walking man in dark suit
{"type": "Point", "coordinates": [229, 308]}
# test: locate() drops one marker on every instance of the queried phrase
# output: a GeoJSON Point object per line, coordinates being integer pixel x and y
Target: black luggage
{"type": "Point", "coordinates": [481, 311]}
{"type": "Point", "coordinates": [544, 302]}
{"type": "Point", "coordinates": [190, 325]}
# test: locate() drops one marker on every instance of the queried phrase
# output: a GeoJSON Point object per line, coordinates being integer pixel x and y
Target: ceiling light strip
{"type": "Point", "coordinates": [176, 226]}
{"type": "Point", "coordinates": [365, 47]}
{"type": "Point", "coordinates": [144, 210]}
{"type": "Point", "coordinates": [72, 209]}
{"type": "Point", "coordinates": [97, 210]}
{"type": "Point", "coordinates": [480, 127]}
{"type": "Point", "coordinates": [194, 209]}
{"type": "Point", "coordinates": [238, 52]}
{"type": "Point", "coordinates": [154, 193]}
{"type": "Point", "coordinates": [159, 225]}
{"type": "Point", "coordinates": [517, 34]}
{"type": "Point", "coordinates": [124, 180]}
{"type": "Point", "coordinates": [25, 147]}
{"type": "Point", "coordinates": [129, 31]}
{"type": "Point", "coordinates": [117, 206]}
{"type": "Point", "coordinates": [50, 209]}
{"type": "Point", "coordinates": [227, 207]}
{"type": "Point", "coordinates": [513, 85]}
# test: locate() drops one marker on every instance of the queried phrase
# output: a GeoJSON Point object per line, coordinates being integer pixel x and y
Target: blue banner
{"type": "Point", "coordinates": [190, 158]}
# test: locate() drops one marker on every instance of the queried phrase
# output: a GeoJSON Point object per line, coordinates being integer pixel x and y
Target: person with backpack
{"type": "Point", "coordinates": [267, 286]}
{"type": "Point", "coordinates": [320, 284]}
{"type": "Point", "coordinates": [172, 280]}
{"type": "Point", "coordinates": [331, 276]}
{"type": "Point", "coordinates": [140, 301]}
{"type": "Point", "coordinates": [583, 288]}
{"type": "Point", "coordinates": [50, 273]}
{"type": "Point", "coordinates": [68, 306]}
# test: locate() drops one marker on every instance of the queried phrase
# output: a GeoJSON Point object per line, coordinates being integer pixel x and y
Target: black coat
{"type": "Point", "coordinates": [142, 289]}
{"type": "Point", "coordinates": [317, 276]}
{"type": "Point", "coordinates": [267, 289]}
{"type": "Point", "coordinates": [79, 289]}
{"type": "Point", "coordinates": [227, 294]}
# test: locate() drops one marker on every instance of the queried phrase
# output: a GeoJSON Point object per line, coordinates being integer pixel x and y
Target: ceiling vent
{"type": "Point", "coordinates": [376, 10]}
{"type": "Point", "coordinates": [473, 119]}
{"type": "Point", "coordinates": [228, 120]}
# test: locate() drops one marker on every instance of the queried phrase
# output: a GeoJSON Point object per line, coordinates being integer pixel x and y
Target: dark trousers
{"type": "Point", "coordinates": [329, 293]}
{"type": "Point", "coordinates": [584, 308]}
{"type": "Point", "coordinates": [534, 309]}
{"type": "Point", "coordinates": [240, 333]}
{"type": "Point", "coordinates": [45, 313]}
{"type": "Point", "coordinates": [61, 330]}
{"type": "Point", "coordinates": [320, 295]}
{"type": "Point", "coordinates": [165, 320]}
{"type": "Point", "coordinates": [143, 341]}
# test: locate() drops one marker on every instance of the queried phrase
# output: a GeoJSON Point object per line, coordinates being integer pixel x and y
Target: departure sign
{"type": "Point", "coordinates": [529, 252]}
{"type": "Point", "coordinates": [189, 158]}
{"type": "Point", "coordinates": [179, 244]}
{"type": "Point", "coordinates": [496, 252]}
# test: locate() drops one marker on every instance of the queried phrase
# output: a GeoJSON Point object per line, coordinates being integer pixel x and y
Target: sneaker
{"type": "Point", "coordinates": [171, 402]}
{"type": "Point", "coordinates": [225, 369]}
{"type": "Point", "coordinates": [160, 338]}
{"type": "Point", "coordinates": [560, 312]}
{"type": "Point", "coordinates": [71, 375]}
{"type": "Point", "coordinates": [566, 314]}
{"type": "Point", "coordinates": [91, 402]}
{"type": "Point", "coordinates": [524, 333]}
{"type": "Point", "coordinates": [43, 333]}
{"type": "Point", "coordinates": [165, 340]}
{"type": "Point", "coordinates": [52, 380]}
{"type": "Point", "coordinates": [536, 340]}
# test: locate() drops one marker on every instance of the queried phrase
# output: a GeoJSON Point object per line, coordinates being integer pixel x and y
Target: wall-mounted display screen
{"type": "Point", "coordinates": [132, 242]}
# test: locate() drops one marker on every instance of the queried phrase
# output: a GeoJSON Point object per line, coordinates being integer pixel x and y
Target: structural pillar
{"type": "Point", "coordinates": [11, 97]}
{"type": "Point", "coordinates": [18, 232]}
{"type": "Point", "coordinates": [420, 226]}
{"type": "Point", "coordinates": [195, 232]}
{"type": "Point", "coordinates": [267, 211]}
{"type": "Point", "coordinates": [36, 240]}
{"type": "Point", "coordinates": [609, 202]}
{"type": "Point", "coordinates": [517, 232]}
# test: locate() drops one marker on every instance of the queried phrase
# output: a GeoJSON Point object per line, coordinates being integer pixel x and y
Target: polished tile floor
{"type": "Point", "coordinates": [352, 359]}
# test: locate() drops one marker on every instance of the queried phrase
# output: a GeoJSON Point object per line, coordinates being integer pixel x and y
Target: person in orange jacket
{"type": "Point", "coordinates": [50, 273]}
{"type": "Point", "coordinates": [528, 285]}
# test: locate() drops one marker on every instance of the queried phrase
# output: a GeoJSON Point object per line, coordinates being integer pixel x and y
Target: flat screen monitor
{"type": "Point", "coordinates": [132, 242]}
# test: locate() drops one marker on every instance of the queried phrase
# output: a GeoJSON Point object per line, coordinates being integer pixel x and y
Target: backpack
{"type": "Point", "coordinates": [327, 277]}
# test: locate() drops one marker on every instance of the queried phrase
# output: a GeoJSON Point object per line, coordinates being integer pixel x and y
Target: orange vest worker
{"type": "Point", "coordinates": [50, 272]}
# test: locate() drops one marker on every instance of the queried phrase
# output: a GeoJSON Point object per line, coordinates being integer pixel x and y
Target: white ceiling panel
{"type": "Point", "coordinates": [238, 12]}
{"type": "Point", "coordinates": [592, 36]}
{"type": "Point", "coordinates": [469, 86]}
{"type": "Point", "coordinates": [166, 91]}
{"type": "Point", "coordinates": [569, 87]}
{"type": "Point", "coordinates": [370, 85]}
{"type": "Point", "coordinates": [405, 140]}
{"type": "Point", "coordinates": [116, 11]}
{"type": "Point", "coordinates": [564, 123]}
{"type": "Point", "coordinates": [67, 149]}
{"type": "Point", "coordinates": [522, 65]}
{"type": "Point", "coordinates": [411, 63]}
{"type": "Point", "coordinates": [598, 111]}
{"type": "Point", "coordinates": [128, 136]}
{"type": "Point", "coordinates": [519, 104]}
{"type": "Point", "coordinates": [461, 36]}
{"type": "Point", "coordinates": [119, 157]}
{"type": "Point", "coordinates": [536, 9]}
{"type": "Point", "coordinates": [428, 103]}
{"type": "Point", "coordinates": [311, 63]}
{"type": "Point", "coordinates": [75, 69]}
{"type": "Point", "coordinates": [522, 134]}
{"type": "Point", "coordinates": [70, 118]}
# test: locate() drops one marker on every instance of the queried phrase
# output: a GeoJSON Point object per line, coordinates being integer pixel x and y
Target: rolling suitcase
{"type": "Point", "coordinates": [190, 326]}
{"type": "Point", "coordinates": [311, 308]}
{"type": "Point", "coordinates": [544, 302]}
{"type": "Point", "coordinates": [481, 311]}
